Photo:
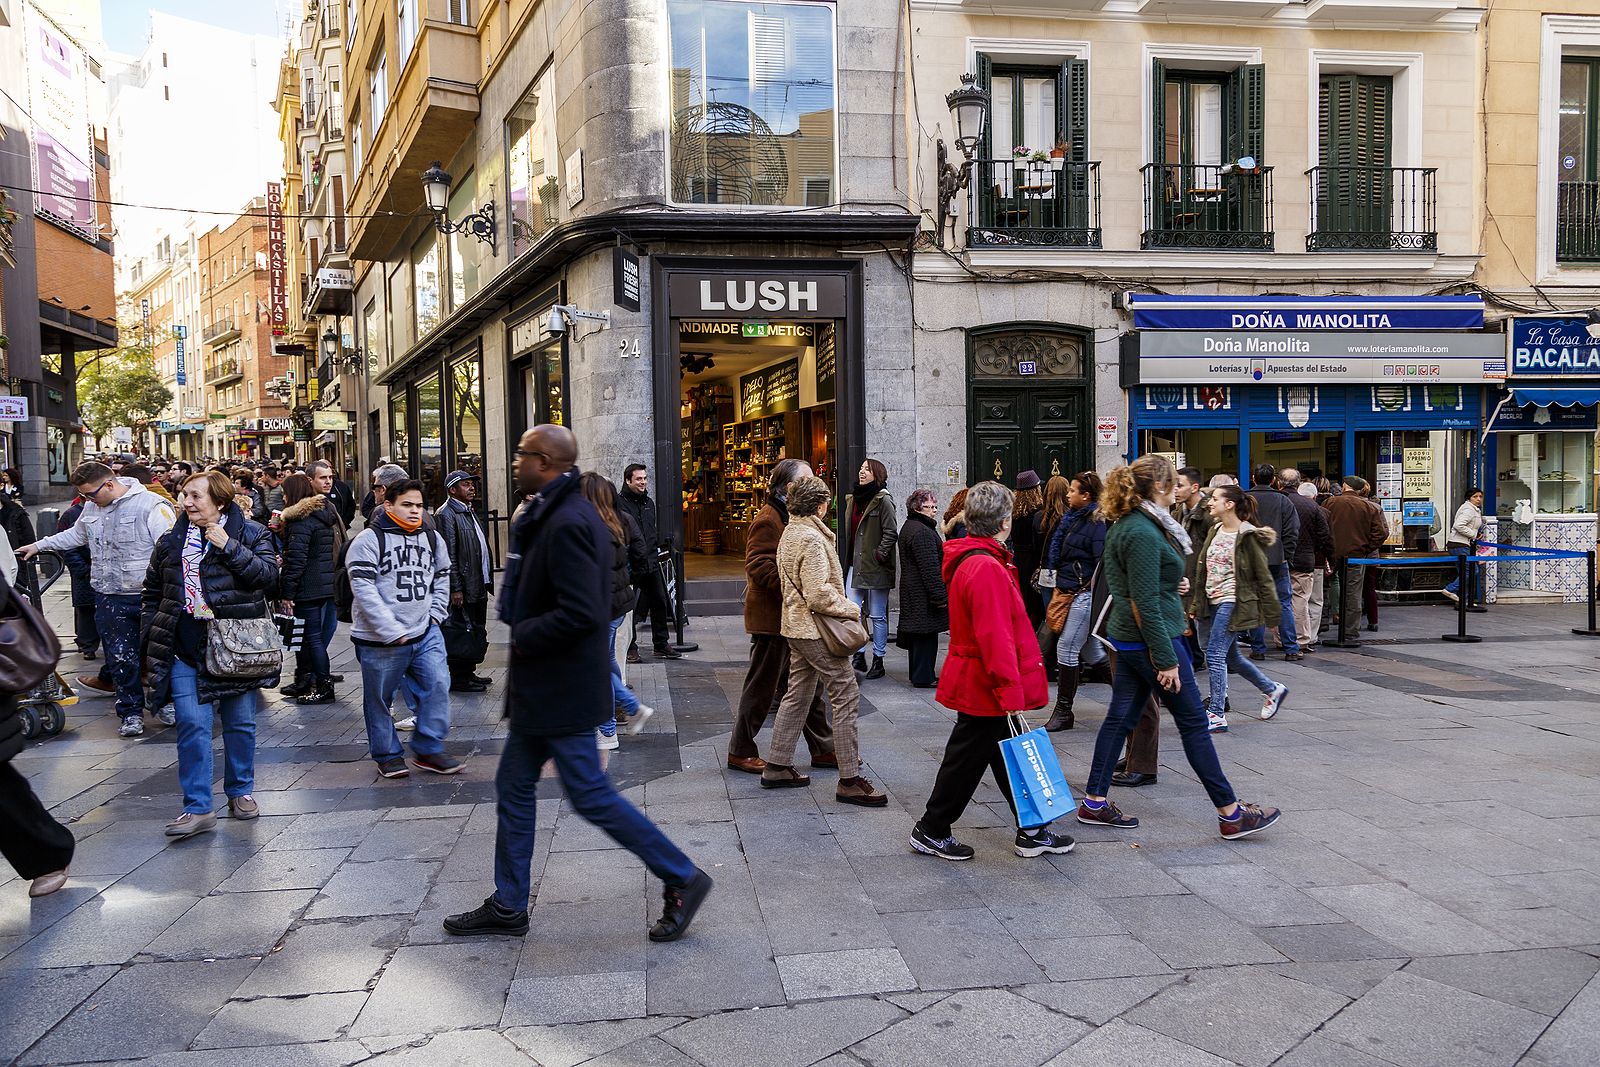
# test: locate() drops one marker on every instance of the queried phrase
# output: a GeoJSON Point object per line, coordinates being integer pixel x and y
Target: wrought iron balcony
{"type": "Point", "coordinates": [223, 372]}
{"type": "Point", "coordinates": [1212, 208]}
{"type": "Point", "coordinates": [221, 332]}
{"type": "Point", "coordinates": [1578, 222]}
{"type": "Point", "coordinates": [1038, 204]}
{"type": "Point", "coordinates": [1373, 209]}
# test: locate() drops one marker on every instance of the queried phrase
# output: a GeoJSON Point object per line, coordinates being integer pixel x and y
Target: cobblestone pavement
{"type": "Point", "coordinates": [1429, 897]}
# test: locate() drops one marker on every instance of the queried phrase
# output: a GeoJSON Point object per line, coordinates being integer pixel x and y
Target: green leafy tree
{"type": "Point", "coordinates": [121, 388]}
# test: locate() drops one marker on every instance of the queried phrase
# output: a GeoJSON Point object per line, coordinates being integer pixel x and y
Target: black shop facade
{"type": "Point", "coordinates": [756, 361]}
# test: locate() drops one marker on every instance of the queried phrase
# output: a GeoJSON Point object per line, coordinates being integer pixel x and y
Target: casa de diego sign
{"type": "Point", "coordinates": [1553, 348]}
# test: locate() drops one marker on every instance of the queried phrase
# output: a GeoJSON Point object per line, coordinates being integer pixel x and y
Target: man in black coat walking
{"type": "Point", "coordinates": [471, 579]}
{"type": "Point", "coordinates": [555, 597]}
{"type": "Point", "coordinates": [1276, 511]}
{"type": "Point", "coordinates": [635, 500]}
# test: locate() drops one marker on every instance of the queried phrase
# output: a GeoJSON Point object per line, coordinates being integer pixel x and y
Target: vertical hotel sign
{"type": "Point", "coordinates": [277, 261]}
{"type": "Point", "coordinates": [63, 138]}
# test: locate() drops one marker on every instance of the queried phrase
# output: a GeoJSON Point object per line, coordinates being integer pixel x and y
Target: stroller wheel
{"type": "Point", "coordinates": [30, 723]}
{"type": "Point", "coordinates": [52, 720]}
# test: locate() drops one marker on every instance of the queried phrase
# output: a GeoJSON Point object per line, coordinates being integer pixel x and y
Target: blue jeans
{"type": "Point", "coordinates": [1071, 649]}
{"type": "Point", "coordinates": [194, 740]}
{"type": "Point", "coordinates": [1258, 636]}
{"type": "Point", "coordinates": [1132, 686]}
{"type": "Point", "coordinates": [591, 795]}
{"type": "Point", "coordinates": [1222, 656]}
{"type": "Point", "coordinates": [116, 616]}
{"type": "Point", "coordinates": [322, 620]}
{"type": "Point", "coordinates": [1458, 549]}
{"type": "Point", "coordinates": [621, 695]}
{"type": "Point", "coordinates": [877, 602]}
{"type": "Point", "coordinates": [421, 666]}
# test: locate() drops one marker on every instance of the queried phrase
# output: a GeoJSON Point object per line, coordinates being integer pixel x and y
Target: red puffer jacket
{"type": "Point", "coordinates": [993, 666]}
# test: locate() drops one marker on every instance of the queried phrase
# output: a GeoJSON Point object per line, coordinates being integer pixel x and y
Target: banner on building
{"type": "Point", "coordinates": [1160, 312]}
{"type": "Point", "coordinates": [63, 136]}
{"type": "Point", "coordinates": [183, 371]}
{"type": "Point", "coordinates": [1269, 357]}
{"type": "Point", "coordinates": [1554, 348]}
{"type": "Point", "coordinates": [277, 262]}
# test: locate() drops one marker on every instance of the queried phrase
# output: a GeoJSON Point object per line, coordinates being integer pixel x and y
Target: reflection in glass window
{"type": "Point", "coordinates": [466, 416]}
{"type": "Point", "coordinates": [425, 282]}
{"type": "Point", "coordinates": [465, 249]}
{"type": "Point", "coordinates": [430, 440]}
{"type": "Point", "coordinates": [752, 100]}
{"type": "Point", "coordinates": [532, 164]}
{"type": "Point", "coordinates": [371, 338]}
{"type": "Point", "coordinates": [399, 434]}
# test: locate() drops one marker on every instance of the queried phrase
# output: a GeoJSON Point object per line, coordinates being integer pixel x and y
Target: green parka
{"type": "Point", "coordinates": [1255, 598]}
{"type": "Point", "coordinates": [873, 548]}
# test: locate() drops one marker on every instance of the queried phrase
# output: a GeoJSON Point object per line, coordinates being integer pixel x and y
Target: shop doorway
{"type": "Point", "coordinates": [1029, 402]}
{"type": "Point", "coordinates": [750, 395]}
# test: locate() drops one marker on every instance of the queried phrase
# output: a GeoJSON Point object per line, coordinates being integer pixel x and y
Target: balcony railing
{"type": "Point", "coordinates": [333, 123]}
{"type": "Point", "coordinates": [221, 332]}
{"type": "Point", "coordinates": [1207, 207]}
{"type": "Point", "coordinates": [1373, 209]}
{"type": "Point", "coordinates": [223, 372]}
{"type": "Point", "coordinates": [1577, 221]}
{"type": "Point", "coordinates": [308, 109]}
{"type": "Point", "coordinates": [1018, 202]}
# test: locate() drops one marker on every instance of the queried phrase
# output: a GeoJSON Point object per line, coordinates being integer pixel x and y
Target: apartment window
{"type": "Point", "coordinates": [752, 98]}
{"type": "Point", "coordinates": [465, 249]}
{"type": "Point", "coordinates": [459, 12]}
{"type": "Point", "coordinates": [425, 281]}
{"type": "Point", "coordinates": [355, 145]}
{"type": "Point", "coordinates": [378, 87]}
{"type": "Point", "coordinates": [1354, 188]}
{"type": "Point", "coordinates": [533, 183]}
{"type": "Point", "coordinates": [1577, 163]}
{"type": "Point", "coordinates": [352, 9]}
{"type": "Point", "coordinates": [406, 26]}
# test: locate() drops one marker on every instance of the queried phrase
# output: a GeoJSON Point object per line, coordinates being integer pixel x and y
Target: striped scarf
{"type": "Point", "coordinates": [194, 594]}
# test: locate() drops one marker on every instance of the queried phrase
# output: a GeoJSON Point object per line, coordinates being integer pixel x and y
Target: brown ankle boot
{"type": "Point", "coordinates": [1066, 691]}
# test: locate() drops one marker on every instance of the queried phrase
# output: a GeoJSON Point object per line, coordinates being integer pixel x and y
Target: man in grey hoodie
{"type": "Point", "coordinates": [120, 524]}
{"type": "Point", "coordinates": [400, 579]}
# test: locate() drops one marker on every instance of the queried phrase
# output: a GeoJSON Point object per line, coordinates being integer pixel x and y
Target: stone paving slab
{"type": "Point", "coordinates": [827, 941]}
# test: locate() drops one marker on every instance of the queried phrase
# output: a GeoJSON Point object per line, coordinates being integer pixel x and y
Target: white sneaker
{"type": "Point", "coordinates": [637, 720]}
{"type": "Point", "coordinates": [167, 716]}
{"type": "Point", "coordinates": [406, 724]}
{"type": "Point", "coordinates": [605, 743]}
{"type": "Point", "coordinates": [1217, 724]}
{"type": "Point", "coordinates": [1274, 702]}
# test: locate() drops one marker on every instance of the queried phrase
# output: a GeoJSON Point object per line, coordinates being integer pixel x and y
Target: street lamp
{"type": "Point", "coordinates": [339, 358]}
{"type": "Point", "coordinates": [436, 191]}
{"type": "Point", "coordinates": [969, 106]}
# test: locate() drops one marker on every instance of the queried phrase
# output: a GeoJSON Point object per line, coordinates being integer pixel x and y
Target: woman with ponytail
{"type": "Point", "coordinates": [1235, 584]}
{"type": "Point", "coordinates": [1143, 566]}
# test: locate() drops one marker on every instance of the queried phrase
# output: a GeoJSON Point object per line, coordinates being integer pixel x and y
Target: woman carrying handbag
{"type": "Point", "coordinates": [822, 625]}
{"type": "Point", "coordinates": [210, 642]}
{"type": "Point", "coordinates": [1073, 558]}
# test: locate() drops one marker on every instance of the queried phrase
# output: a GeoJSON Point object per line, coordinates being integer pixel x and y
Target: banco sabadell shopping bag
{"type": "Point", "coordinates": [1038, 785]}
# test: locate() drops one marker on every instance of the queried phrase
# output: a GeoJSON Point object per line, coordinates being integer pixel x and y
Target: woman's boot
{"type": "Point", "coordinates": [320, 692]}
{"type": "Point", "coordinates": [1066, 691]}
{"type": "Point", "coordinates": [877, 668]}
{"type": "Point", "coordinates": [301, 685]}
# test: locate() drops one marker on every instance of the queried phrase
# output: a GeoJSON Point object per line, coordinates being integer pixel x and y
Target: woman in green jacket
{"type": "Point", "coordinates": [869, 539]}
{"type": "Point", "coordinates": [1143, 568]}
{"type": "Point", "coordinates": [1236, 585]}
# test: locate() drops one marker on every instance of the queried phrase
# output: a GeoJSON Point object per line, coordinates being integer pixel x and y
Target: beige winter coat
{"type": "Point", "coordinates": [810, 577]}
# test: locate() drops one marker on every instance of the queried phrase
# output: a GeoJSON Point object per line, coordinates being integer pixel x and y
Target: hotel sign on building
{"type": "Point", "coordinates": [277, 262]}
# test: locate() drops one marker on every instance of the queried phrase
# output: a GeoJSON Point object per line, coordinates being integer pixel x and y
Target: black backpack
{"type": "Point", "coordinates": [344, 597]}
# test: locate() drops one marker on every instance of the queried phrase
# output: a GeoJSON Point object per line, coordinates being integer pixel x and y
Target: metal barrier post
{"type": "Point", "coordinates": [1461, 636]}
{"type": "Point", "coordinates": [1592, 631]}
{"type": "Point", "coordinates": [1345, 640]}
{"type": "Point", "coordinates": [680, 614]}
{"type": "Point", "coordinates": [45, 523]}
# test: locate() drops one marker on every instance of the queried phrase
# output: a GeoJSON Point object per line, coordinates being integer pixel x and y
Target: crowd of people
{"type": "Point", "coordinates": [1144, 578]}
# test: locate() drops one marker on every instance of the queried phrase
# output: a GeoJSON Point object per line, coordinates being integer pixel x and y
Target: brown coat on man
{"type": "Point", "coordinates": [763, 600]}
{"type": "Point", "coordinates": [1358, 527]}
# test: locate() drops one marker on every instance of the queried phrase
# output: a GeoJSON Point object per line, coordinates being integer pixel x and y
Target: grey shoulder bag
{"type": "Point", "coordinates": [243, 649]}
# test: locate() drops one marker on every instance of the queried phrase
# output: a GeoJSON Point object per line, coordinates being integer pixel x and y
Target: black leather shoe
{"type": "Point", "coordinates": [336, 679]}
{"type": "Point", "coordinates": [681, 904]}
{"type": "Point", "coordinates": [1132, 779]}
{"type": "Point", "coordinates": [859, 662]}
{"type": "Point", "coordinates": [481, 680]}
{"type": "Point", "coordinates": [633, 656]}
{"type": "Point", "coordinates": [487, 918]}
{"type": "Point", "coordinates": [467, 687]}
{"type": "Point", "coordinates": [1122, 765]}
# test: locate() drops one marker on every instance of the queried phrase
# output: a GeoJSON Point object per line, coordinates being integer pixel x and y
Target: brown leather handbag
{"type": "Point", "coordinates": [844, 637]}
{"type": "Point", "coordinates": [29, 648]}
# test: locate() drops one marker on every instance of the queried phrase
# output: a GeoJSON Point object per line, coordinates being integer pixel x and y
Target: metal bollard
{"type": "Point", "coordinates": [1461, 636]}
{"type": "Point", "coordinates": [46, 521]}
{"type": "Point", "coordinates": [1591, 631]}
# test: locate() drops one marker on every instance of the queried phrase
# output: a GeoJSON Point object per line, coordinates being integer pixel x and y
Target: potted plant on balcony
{"type": "Point", "coordinates": [1058, 155]}
{"type": "Point", "coordinates": [1021, 152]}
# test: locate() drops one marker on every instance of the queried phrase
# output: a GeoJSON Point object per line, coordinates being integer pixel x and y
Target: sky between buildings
{"type": "Point", "coordinates": [127, 22]}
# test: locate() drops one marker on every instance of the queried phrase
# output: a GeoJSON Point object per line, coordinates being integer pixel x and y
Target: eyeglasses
{"type": "Point", "coordinates": [531, 455]}
{"type": "Point", "coordinates": [97, 490]}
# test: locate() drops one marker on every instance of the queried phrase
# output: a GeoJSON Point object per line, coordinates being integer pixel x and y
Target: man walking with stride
{"type": "Point", "coordinates": [556, 599]}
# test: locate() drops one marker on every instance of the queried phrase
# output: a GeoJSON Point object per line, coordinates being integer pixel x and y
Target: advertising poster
{"type": "Point", "coordinates": [63, 139]}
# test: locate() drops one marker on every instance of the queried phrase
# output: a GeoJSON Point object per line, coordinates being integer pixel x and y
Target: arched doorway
{"type": "Point", "coordinates": [1028, 401]}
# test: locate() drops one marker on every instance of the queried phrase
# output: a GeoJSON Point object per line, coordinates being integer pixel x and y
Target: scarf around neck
{"type": "Point", "coordinates": [408, 527]}
{"type": "Point", "coordinates": [1169, 525]}
{"type": "Point", "coordinates": [194, 593]}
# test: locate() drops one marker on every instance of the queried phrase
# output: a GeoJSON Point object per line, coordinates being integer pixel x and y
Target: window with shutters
{"type": "Point", "coordinates": [1360, 201]}
{"type": "Point", "coordinates": [1033, 182]}
{"type": "Point", "coordinates": [1207, 185]}
{"type": "Point", "coordinates": [752, 102]}
{"type": "Point", "coordinates": [1577, 165]}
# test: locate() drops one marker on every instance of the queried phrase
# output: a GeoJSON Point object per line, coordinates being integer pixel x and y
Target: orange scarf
{"type": "Point", "coordinates": [408, 527]}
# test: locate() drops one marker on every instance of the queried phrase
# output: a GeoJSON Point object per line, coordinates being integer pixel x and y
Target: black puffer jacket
{"type": "Point", "coordinates": [460, 532]}
{"type": "Point", "coordinates": [311, 532]}
{"type": "Point", "coordinates": [623, 596]}
{"type": "Point", "coordinates": [238, 582]}
{"type": "Point", "coordinates": [11, 741]}
{"type": "Point", "coordinates": [924, 600]}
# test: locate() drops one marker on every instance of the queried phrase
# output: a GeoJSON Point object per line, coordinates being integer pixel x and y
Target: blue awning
{"type": "Point", "coordinates": [1565, 396]}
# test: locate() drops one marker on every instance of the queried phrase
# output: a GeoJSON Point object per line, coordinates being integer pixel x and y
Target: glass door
{"type": "Point", "coordinates": [430, 439]}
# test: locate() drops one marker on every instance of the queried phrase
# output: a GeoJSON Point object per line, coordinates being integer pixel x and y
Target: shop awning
{"type": "Point", "coordinates": [1559, 395]}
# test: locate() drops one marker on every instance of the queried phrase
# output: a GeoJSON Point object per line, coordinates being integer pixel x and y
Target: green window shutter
{"type": "Point", "coordinates": [985, 82]}
{"type": "Point", "coordinates": [1252, 114]}
{"type": "Point", "coordinates": [1072, 98]}
{"type": "Point", "coordinates": [1158, 111]}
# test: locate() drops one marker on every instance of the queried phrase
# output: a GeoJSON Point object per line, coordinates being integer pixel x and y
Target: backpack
{"type": "Point", "coordinates": [344, 597]}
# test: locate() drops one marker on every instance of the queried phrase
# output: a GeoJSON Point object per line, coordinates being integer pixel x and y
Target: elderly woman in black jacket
{"type": "Point", "coordinates": [214, 564]}
{"type": "Point", "coordinates": [311, 535]}
{"type": "Point", "coordinates": [924, 601]}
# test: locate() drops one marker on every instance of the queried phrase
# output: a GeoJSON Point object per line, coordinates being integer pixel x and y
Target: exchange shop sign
{"type": "Point", "coordinates": [1553, 348]}
{"type": "Point", "coordinates": [1191, 356]}
{"type": "Point", "coordinates": [1152, 312]}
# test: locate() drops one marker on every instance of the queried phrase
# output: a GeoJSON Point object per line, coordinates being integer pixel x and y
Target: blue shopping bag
{"type": "Point", "coordinates": [1038, 785]}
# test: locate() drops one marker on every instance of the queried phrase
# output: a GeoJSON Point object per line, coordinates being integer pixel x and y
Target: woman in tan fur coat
{"type": "Point", "coordinates": [812, 582]}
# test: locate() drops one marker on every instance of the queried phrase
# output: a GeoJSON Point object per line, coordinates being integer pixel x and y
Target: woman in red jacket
{"type": "Point", "coordinates": [993, 667]}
